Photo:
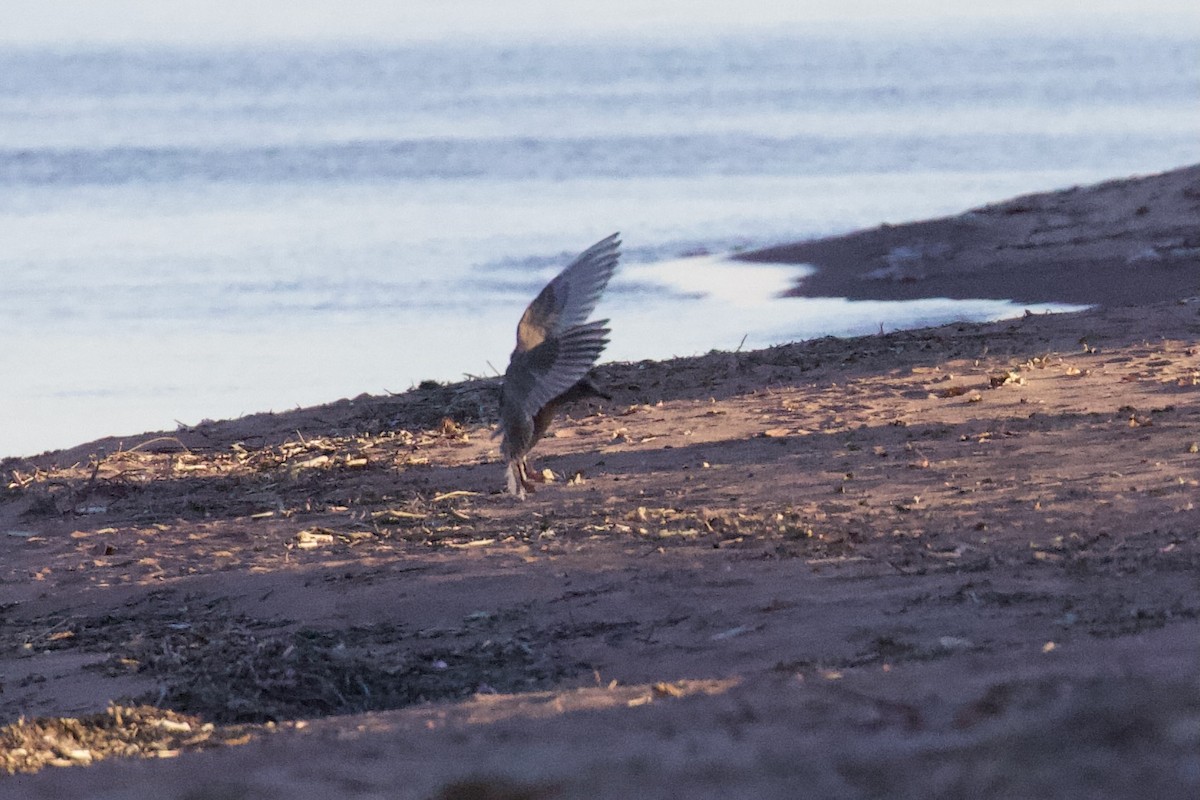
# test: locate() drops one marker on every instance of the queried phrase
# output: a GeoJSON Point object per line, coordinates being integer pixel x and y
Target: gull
{"type": "Point", "coordinates": [556, 348]}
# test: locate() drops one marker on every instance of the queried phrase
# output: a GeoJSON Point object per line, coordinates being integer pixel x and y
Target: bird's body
{"type": "Point", "coordinates": [556, 347]}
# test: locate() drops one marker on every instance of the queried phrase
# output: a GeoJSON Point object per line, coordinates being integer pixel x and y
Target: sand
{"type": "Point", "coordinates": [957, 562]}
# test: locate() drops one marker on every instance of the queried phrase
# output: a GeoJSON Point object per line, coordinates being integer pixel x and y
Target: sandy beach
{"type": "Point", "coordinates": [959, 562]}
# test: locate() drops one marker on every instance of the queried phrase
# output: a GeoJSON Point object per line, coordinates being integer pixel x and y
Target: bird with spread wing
{"type": "Point", "coordinates": [556, 348]}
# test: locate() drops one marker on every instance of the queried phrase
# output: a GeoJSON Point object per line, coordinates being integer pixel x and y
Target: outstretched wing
{"type": "Point", "coordinates": [567, 300]}
{"type": "Point", "coordinates": [535, 377]}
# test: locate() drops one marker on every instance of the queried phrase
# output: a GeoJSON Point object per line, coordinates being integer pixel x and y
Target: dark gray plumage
{"type": "Point", "coordinates": [556, 347]}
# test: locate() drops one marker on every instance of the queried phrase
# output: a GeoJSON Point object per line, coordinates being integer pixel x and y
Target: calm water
{"type": "Point", "coordinates": [204, 233]}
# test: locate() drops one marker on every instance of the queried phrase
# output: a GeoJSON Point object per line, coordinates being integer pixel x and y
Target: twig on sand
{"type": "Point", "coordinates": [156, 440]}
{"type": "Point", "coordinates": [456, 493]}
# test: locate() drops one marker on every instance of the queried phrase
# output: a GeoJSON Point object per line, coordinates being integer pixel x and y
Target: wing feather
{"type": "Point", "coordinates": [571, 296]}
{"type": "Point", "coordinates": [537, 376]}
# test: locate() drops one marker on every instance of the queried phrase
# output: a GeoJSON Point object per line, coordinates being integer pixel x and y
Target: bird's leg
{"type": "Point", "coordinates": [516, 478]}
{"type": "Point", "coordinates": [531, 476]}
{"type": "Point", "coordinates": [520, 479]}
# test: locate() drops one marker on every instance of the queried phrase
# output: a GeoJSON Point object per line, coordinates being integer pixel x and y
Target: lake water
{"type": "Point", "coordinates": [205, 232]}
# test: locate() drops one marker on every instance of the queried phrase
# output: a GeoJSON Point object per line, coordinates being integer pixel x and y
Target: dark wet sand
{"type": "Point", "coordinates": [1122, 242]}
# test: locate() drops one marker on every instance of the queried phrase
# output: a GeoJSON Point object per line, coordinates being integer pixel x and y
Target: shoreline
{"type": "Point", "coordinates": [1079, 246]}
{"type": "Point", "coordinates": [1073, 246]}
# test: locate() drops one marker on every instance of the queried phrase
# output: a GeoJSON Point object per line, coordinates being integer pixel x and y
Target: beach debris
{"type": "Point", "coordinates": [459, 493]}
{"type": "Point", "coordinates": [318, 461]}
{"type": "Point", "coordinates": [1005, 377]}
{"type": "Point", "coordinates": [397, 516]}
{"type": "Point", "coordinates": [312, 538]}
{"type": "Point", "coordinates": [954, 643]}
{"type": "Point", "coordinates": [732, 632]}
{"type": "Point", "coordinates": [908, 263]}
{"type": "Point", "coordinates": [664, 689]}
{"type": "Point", "coordinates": [1177, 250]}
{"type": "Point", "coordinates": [29, 745]}
{"type": "Point", "coordinates": [471, 543]}
{"type": "Point", "coordinates": [449, 429]}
